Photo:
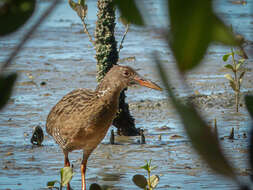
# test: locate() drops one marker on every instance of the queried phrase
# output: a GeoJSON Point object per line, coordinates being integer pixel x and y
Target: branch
{"type": "Point", "coordinates": [28, 34]}
{"type": "Point", "coordinates": [123, 38]}
{"type": "Point", "coordinates": [85, 29]}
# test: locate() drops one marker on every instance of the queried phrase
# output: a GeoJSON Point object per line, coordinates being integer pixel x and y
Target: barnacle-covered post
{"type": "Point", "coordinates": [107, 55]}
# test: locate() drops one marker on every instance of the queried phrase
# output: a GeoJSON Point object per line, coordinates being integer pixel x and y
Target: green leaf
{"type": "Point", "coordinates": [66, 175]}
{"type": "Point", "coordinates": [238, 65]}
{"type": "Point", "coordinates": [154, 180]}
{"type": "Point", "coordinates": [202, 138]}
{"type": "Point", "coordinates": [226, 56]}
{"type": "Point", "coordinates": [95, 186]}
{"type": "Point", "coordinates": [50, 184]}
{"type": "Point", "coordinates": [72, 4]}
{"type": "Point", "coordinates": [6, 87]}
{"type": "Point", "coordinates": [241, 61]}
{"type": "Point", "coordinates": [129, 11]}
{"type": "Point", "coordinates": [140, 181]}
{"type": "Point", "coordinates": [229, 77]}
{"type": "Point", "coordinates": [80, 8]}
{"type": "Point", "coordinates": [249, 105]}
{"type": "Point", "coordinates": [146, 166]}
{"type": "Point", "coordinates": [81, 2]}
{"type": "Point", "coordinates": [191, 31]}
{"type": "Point", "coordinates": [223, 34]}
{"type": "Point", "coordinates": [193, 27]}
{"type": "Point", "coordinates": [232, 85]}
{"type": "Point", "coordinates": [153, 168]}
{"type": "Point", "coordinates": [14, 14]}
{"type": "Point", "coordinates": [228, 66]}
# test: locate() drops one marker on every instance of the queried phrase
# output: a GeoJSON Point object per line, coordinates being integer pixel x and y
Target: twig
{"type": "Point", "coordinates": [28, 34]}
{"type": "Point", "coordinates": [123, 38]}
{"type": "Point", "coordinates": [85, 29]}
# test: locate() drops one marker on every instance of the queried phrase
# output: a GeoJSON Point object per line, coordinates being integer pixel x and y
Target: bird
{"type": "Point", "coordinates": [81, 119]}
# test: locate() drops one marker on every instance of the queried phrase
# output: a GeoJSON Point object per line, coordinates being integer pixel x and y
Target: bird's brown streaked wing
{"type": "Point", "coordinates": [74, 101]}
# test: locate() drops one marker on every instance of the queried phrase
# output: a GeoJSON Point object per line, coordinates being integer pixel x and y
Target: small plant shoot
{"type": "Point", "coordinates": [66, 176]}
{"type": "Point", "coordinates": [149, 183]}
{"type": "Point", "coordinates": [236, 67]}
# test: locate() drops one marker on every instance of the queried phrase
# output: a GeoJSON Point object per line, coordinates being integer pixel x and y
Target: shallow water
{"type": "Point", "coordinates": [60, 55]}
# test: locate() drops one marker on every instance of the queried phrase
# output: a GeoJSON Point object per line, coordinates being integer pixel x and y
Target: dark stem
{"type": "Point", "coordinates": [237, 86]}
{"type": "Point", "coordinates": [237, 101]}
{"type": "Point", "coordinates": [29, 33]}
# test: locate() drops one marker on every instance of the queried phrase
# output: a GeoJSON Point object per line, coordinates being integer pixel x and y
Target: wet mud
{"type": "Point", "coordinates": [59, 58]}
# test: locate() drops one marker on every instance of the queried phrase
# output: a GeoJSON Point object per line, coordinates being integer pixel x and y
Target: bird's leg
{"type": "Point", "coordinates": [67, 164]}
{"type": "Point", "coordinates": [83, 169]}
{"type": "Point", "coordinates": [66, 160]}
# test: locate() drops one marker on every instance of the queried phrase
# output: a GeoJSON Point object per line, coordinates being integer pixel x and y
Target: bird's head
{"type": "Point", "coordinates": [126, 76]}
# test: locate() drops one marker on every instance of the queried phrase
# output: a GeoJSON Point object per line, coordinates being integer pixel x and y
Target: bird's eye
{"type": "Point", "coordinates": [126, 73]}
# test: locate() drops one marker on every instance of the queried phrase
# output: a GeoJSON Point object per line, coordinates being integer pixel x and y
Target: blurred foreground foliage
{"type": "Point", "coordinates": [13, 15]}
{"type": "Point", "coordinates": [193, 27]}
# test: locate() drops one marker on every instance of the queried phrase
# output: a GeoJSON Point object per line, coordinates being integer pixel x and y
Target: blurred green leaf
{"type": "Point", "coordinates": [154, 180]}
{"type": "Point", "coordinates": [229, 77]}
{"type": "Point", "coordinates": [222, 33]}
{"type": "Point", "coordinates": [129, 11]}
{"type": "Point", "coordinates": [228, 66]}
{"type": "Point", "coordinates": [193, 27]}
{"type": "Point", "coordinates": [95, 186]}
{"type": "Point", "coordinates": [140, 181]}
{"type": "Point", "coordinates": [66, 175]}
{"type": "Point", "coordinates": [14, 13]}
{"type": "Point", "coordinates": [51, 184]}
{"type": "Point", "coordinates": [201, 136]}
{"type": "Point", "coordinates": [249, 105]}
{"type": "Point", "coordinates": [6, 86]}
{"type": "Point", "coordinates": [226, 56]}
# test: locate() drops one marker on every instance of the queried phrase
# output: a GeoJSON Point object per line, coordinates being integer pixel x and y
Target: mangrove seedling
{"type": "Point", "coordinates": [66, 176]}
{"type": "Point", "coordinates": [236, 66]}
{"type": "Point", "coordinates": [149, 183]}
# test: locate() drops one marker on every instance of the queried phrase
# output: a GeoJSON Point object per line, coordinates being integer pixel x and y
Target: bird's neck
{"type": "Point", "coordinates": [109, 91]}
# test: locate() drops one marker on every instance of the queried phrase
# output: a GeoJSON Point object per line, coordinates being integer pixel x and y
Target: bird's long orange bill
{"type": "Point", "coordinates": [147, 83]}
